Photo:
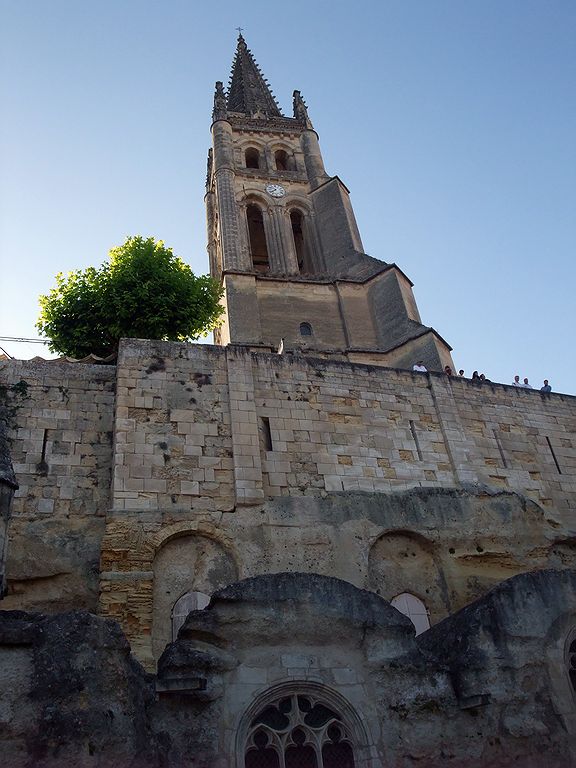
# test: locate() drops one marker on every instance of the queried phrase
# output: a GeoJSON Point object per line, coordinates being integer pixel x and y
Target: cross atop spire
{"type": "Point", "coordinates": [248, 91]}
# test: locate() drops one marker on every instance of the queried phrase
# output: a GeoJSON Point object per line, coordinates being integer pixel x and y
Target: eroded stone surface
{"type": "Point", "coordinates": [486, 688]}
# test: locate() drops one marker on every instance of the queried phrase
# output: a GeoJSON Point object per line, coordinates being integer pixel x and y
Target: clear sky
{"type": "Point", "coordinates": [453, 123]}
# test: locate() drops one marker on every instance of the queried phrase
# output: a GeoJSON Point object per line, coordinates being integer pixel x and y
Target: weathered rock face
{"type": "Point", "coordinates": [71, 694]}
{"type": "Point", "coordinates": [488, 687]}
{"type": "Point", "coordinates": [446, 546]}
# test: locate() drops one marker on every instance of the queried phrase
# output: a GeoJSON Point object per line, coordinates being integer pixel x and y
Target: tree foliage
{"type": "Point", "coordinates": [143, 291]}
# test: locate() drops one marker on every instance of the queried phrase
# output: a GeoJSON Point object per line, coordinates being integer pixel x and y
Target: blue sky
{"type": "Point", "coordinates": [453, 124]}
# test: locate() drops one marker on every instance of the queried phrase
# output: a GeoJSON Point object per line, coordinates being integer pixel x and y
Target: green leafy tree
{"type": "Point", "coordinates": [143, 291]}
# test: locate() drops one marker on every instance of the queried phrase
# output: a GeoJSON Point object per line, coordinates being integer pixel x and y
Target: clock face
{"type": "Point", "coordinates": [275, 190]}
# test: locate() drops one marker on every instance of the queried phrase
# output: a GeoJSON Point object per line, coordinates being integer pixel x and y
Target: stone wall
{"type": "Point", "coordinates": [61, 447]}
{"type": "Point", "coordinates": [228, 463]}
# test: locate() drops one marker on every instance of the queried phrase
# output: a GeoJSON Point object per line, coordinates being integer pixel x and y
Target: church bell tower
{"type": "Point", "coordinates": [283, 240]}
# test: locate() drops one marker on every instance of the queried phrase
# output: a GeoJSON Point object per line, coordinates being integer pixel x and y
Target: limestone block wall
{"type": "Point", "coordinates": [172, 441]}
{"type": "Point", "coordinates": [281, 313]}
{"type": "Point", "coordinates": [61, 446]}
{"type": "Point", "coordinates": [339, 426]}
{"type": "Point", "coordinates": [522, 440]}
{"type": "Point", "coordinates": [174, 469]}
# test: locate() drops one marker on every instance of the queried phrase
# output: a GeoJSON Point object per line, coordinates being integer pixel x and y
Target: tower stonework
{"type": "Point", "coordinates": [283, 239]}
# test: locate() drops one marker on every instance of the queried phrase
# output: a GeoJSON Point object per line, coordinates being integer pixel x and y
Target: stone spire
{"type": "Point", "coordinates": [301, 110]}
{"type": "Point", "coordinates": [248, 91]}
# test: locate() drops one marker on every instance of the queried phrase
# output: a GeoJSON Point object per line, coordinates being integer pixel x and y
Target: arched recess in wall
{"type": "Point", "coordinates": [257, 238]}
{"type": "Point", "coordinates": [187, 563]}
{"type": "Point", "coordinates": [402, 562]}
{"type": "Point", "coordinates": [300, 724]}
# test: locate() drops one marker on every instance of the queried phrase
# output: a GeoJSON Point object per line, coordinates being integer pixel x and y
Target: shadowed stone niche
{"type": "Point", "coordinates": [187, 564]}
{"type": "Point", "coordinates": [400, 562]}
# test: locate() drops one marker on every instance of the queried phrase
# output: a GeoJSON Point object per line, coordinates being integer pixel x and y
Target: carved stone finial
{"type": "Point", "coordinates": [300, 110]}
{"type": "Point", "coordinates": [219, 111]}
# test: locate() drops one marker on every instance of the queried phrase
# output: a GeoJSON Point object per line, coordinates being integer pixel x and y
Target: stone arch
{"type": "Point", "coordinates": [403, 561]}
{"type": "Point", "coordinates": [560, 639]}
{"type": "Point", "coordinates": [251, 143]}
{"type": "Point", "coordinates": [354, 727]}
{"type": "Point", "coordinates": [187, 561]}
{"type": "Point", "coordinates": [186, 528]}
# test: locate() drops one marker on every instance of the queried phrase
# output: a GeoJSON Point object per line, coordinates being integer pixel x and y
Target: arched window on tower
{"type": "Point", "coordinates": [414, 608]}
{"type": "Point", "coordinates": [190, 601]}
{"type": "Point", "coordinates": [257, 234]}
{"type": "Point", "coordinates": [298, 731]}
{"type": "Point", "coordinates": [297, 222]}
{"type": "Point", "coordinates": [252, 157]}
{"type": "Point", "coordinates": [282, 160]}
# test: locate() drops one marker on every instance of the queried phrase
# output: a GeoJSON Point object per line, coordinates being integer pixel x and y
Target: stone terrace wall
{"type": "Point", "coordinates": [61, 446]}
{"type": "Point", "coordinates": [213, 427]}
{"type": "Point", "coordinates": [337, 426]}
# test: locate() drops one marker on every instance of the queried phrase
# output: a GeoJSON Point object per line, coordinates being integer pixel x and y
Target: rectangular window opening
{"type": "Point", "coordinates": [499, 444]}
{"type": "Point", "coordinates": [42, 466]}
{"type": "Point", "coordinates": [553, 455]}
{"type": "Point", "coordinates": [266, 434]}
{"type": "Point", "coordinates": [415, 438]}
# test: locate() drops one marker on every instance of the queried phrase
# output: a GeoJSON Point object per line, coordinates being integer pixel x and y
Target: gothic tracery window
{"type": "Point", "coordinates": [298, 731]}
